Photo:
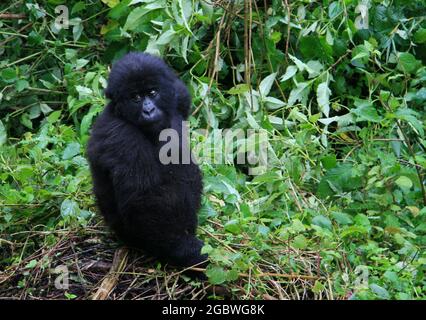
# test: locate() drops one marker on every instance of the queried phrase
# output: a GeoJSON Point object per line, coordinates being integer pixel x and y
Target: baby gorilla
{"type": "Point", "coordinates": [149, 205]}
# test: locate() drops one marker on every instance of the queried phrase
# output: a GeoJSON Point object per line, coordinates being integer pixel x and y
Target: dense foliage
{"type": "Point", "coordinates": [341, 210]}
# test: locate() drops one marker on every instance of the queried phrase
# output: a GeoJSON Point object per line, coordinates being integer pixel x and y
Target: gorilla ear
{"type": "Point", "coordinates": [183, 98]}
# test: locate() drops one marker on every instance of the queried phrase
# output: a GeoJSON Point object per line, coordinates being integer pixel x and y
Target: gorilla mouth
{"type": "Point", "coordinates": [150, 117]}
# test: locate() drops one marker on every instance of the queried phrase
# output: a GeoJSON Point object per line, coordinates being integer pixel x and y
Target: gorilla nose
{"type": "Point", "coordinates": [148, 108]}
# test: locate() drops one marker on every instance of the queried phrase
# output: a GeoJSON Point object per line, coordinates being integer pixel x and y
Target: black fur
{"type": "Point", "coordinates": [149, 205]}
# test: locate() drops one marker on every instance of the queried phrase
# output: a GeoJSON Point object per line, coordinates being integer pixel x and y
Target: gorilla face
{"type": "Point", "coordinates": [147, 102]}
{"type": "Point", "coordinates": [143, 90]}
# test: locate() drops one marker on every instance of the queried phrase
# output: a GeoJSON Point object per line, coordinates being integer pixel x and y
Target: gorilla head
{"type": "Point", "coordinates": [146, 92]}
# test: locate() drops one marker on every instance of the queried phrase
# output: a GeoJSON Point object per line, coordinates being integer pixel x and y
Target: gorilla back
{"type": "Point", "coordinates": [149, 205]}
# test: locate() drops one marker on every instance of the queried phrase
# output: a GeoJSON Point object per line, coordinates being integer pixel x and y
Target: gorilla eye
{"type": "Point", "coordinates": [136, 97]}
{"type": "Point", "coordinates": [152, 93]}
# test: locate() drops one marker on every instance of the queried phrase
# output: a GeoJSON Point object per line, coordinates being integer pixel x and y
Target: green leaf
{"type": "Point", "coordinates": [322, 221]}
{"type": "Point", "coordinates": [266, 84]}
{"type": "Point", "coordinates": [21, 85]}
{"type": "Point", "coordinates": [334, 9]}
{"type": "Point", "coordinates": [360, 55]}
{"type": "Point", "coordinates": [404, 182]}
{"type": "Point", "coordinates": [111, 3]}
{"type": "Point", "coordinates": [297, 226]}
{"type": "Point", "coordinates": [77, 28]}
{"type": "Point", "coordinates": [316, 47]}
{"type": "Point", "coordinates": [298, 93]}
{"type": "Point", "coordinates": [186, 12]}
{"type": "Point", "coordinates": [8, 75]}
{"type": "Point", "coordinates": [216, 274]}
{"type": "Point", "coordinates": [239, 89]}
{"type": "Point", "coordinates": [329, 161]}
{"type": "Point", "coordinates": [26, 121]}
{"type": "Point", "coordinates": [341, 218]}
{"type": "Point", "coordinates": [133, 18]}
{"type": "Point", "coordinates": [408, 63]}
{"type": "Point", "coordinates": [69, 208]}
{"type": "Point", "coordinates": [362, 220]}
{"type": "Point", "coordinates": [411, 117]}
{"type": "Point", "coordinates": [32, 264]}
{"type": "Point", "coordinates": [272, 103]}
{"type": "Point", "coordinates": [71, 150]}
{"type": "Point", "coordinates": [365, 111]}
{"type": "Point", "coordinates": [323, 98]}
{"type": "Point", "coordinates": [353, 230]}
{"type": "Point", "coordinates": [381, 292]}
{"type": "Point", "coordinates": [299, 242]}
{"type": "Point", "coordinates": [342, 178]}
{"type": "Point", "coordinates": [70, 296]}
{"type": "Point", "coordinates": [54, 116]}
{"type": "Point", "coordinates": [3, 133]}
{"type": "Point", "coordinates": [420, 36]}
{"type": "Point", "coordinates": [232, 226]}
{"type": "Point", "coordinates": [83, 92]}
{"type": "Point", "coordinates": [289, 73]}
{"type": "Point", "coordinates": [166, 37]}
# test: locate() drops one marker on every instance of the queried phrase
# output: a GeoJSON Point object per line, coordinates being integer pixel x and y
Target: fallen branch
{"type": "Point", "coordinates": [12, 16]}
{"type": "Point", "coordinates": [108, 283]}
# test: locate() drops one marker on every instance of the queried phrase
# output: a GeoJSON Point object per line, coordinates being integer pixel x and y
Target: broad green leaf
{"type": "Point", "coordinates": [299, 242]}
{"type": "Point", "coordinates": [381, 292]}
{"type": "Point", "coordinates": [216, 274]}
{"type": "Point", "coordinates": [341, 217]}
{"type": "Point", "coordinates": [329, 161]}
{"type": "Point", "coordinates": [69, 208]}
{"type": "Point", "coordinates": [365, 111]}
{"type": "Point", "coordinates": [420, 36]}
{"type": "Point", "coordinates": [166, 37]}
{"type": "Point", "coordinates": [83, 92]}
{"type": "Point", "coordinates": [21, 85]}
{"type": "Point", "coordinates": [334, 9]}
{"type": "Point", "coordinates": [323, 98]}
{"type": "Point", "coordinates": [132, 21]}
{"type": "Point", "coordinates": [300, 65]}
{"type": "Point", "coordinates": [54, 116]}
{"type": "Point", "coordinates": [298, 93]}
{"type": "Point", "coordinates": [404, 182]}
{"type": "Point", "coordinates": [71, 150]}
{"type": "Point", "coordinates": [289, 73]}
{"type": "Point", "coordinates": [316, 47]}
{"type": "Point", "coordinates": [232, 226]}
{"type": "Point", "coordinates": [353, 230]}
{"type": "Point", "coordinates": [273, 103]}
{"type": "Point", "coordinates": [26, 121]}
{"type": "Point", "coordinates": [407, 62]}
{"type": "Point", "coordinates": [266, 84]}
{"type": "Point", "coordinates": [342, 178]}
{"type": "Point", "coordinates": [322, 221]}
{"type": "Point", "coordinates": [8, 75]}
{"type": "Point", "coordinates": [411, 117]}
{"type": "Point", "coordinates": [314, 68]}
